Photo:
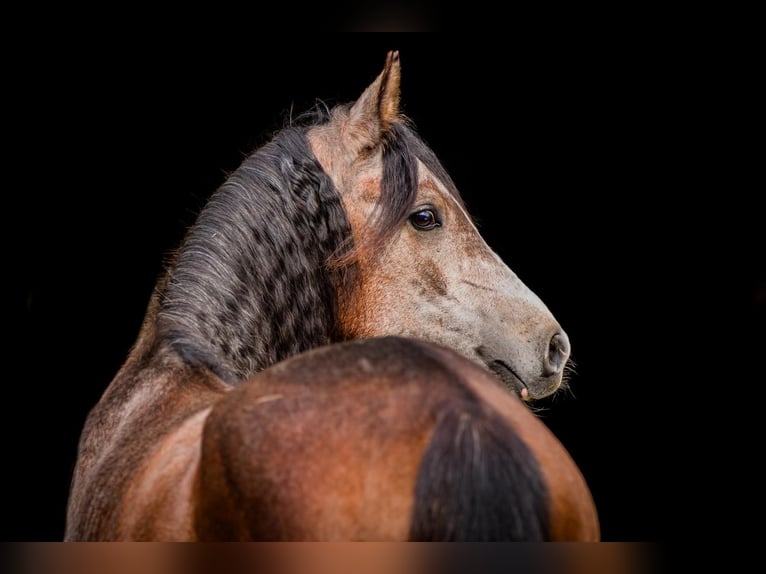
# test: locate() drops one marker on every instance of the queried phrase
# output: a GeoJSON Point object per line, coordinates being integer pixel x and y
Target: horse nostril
{"type": "Point", "coordinates": [558, 353]}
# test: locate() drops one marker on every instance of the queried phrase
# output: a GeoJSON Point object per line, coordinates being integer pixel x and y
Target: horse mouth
{"type": "Point", "coordinates": [509, 378]}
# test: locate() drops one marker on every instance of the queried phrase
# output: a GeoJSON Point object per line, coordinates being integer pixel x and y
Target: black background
{"type": "Point", "coordinates": [583, 168]}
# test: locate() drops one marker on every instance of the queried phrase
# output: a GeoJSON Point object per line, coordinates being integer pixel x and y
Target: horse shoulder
{"type": "Point", "coordinates": [158, 504]}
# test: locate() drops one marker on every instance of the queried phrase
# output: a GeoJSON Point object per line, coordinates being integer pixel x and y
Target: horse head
{"type": "Point", "coordinates": [424, 269]}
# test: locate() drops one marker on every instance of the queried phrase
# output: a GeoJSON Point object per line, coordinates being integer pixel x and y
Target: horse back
{"type": "Point", "coordinates": [383, 439]}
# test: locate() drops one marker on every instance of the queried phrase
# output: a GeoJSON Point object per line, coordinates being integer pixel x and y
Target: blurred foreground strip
{"type": "Point", "coordinates": [331, 558]}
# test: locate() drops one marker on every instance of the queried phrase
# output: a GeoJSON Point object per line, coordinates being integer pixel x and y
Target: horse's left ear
{"type": "Point", "coordinates": [377, 108]}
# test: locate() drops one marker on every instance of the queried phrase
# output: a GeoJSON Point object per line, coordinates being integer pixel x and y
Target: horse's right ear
{"type": "Point", "coordinates": [377, 108]}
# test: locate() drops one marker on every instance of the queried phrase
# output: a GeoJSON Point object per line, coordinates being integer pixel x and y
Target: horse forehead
{"type": "Point", "coordinates": [330, 146]}
{"type": "Point", "coordinates": [369, 176]}
{"type": "Point", "coordinates": [429, 184]}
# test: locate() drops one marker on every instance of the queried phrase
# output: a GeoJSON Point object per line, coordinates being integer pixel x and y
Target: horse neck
{"type": "Point", "coordinates": [250, 285]}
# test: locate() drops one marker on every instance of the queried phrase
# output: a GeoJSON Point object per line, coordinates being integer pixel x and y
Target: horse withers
{"type": "Point", "coordinates": [340, 233]}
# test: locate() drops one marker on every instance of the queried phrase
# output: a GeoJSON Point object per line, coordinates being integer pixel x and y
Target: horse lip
{"type": "Point", "coordinates": [509, 378]}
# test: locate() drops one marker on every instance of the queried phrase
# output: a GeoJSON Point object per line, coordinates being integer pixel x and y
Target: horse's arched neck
{"type": "Point", "coordinates": [250, 285]}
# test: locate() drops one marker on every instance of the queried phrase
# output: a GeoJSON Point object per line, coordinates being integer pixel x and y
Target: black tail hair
{"type": "Point", "coordinates": [478, 482]}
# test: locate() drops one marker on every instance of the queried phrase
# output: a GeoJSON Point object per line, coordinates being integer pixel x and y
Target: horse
{"type": "Point", "coordinates": [334, 353]}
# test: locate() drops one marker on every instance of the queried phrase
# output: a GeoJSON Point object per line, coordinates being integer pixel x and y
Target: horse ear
{"type": "Point", "coordinates": [377, 108]}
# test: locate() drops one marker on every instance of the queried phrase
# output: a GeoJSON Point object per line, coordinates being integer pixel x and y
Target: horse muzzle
{"type": "Point", "coordinates": [530, 373]}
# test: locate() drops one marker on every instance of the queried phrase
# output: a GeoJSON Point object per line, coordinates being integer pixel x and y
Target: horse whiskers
{"type": "Point", "coordinates": [570, 372]}
{"type": "Point", "coordinates": [537, 408]}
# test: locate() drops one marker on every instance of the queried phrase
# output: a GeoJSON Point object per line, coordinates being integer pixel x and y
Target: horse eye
{"type": "Point", "coordinates": [425, 219]}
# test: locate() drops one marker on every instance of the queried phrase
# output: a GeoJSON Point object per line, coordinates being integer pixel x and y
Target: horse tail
{"type": "Point", "coordinates": [478, 481]}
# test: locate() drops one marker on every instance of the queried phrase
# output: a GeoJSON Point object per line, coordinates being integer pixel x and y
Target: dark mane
{"type": "Point", "coordinates": [256, 278]}
{"type": "Point", "coordinates": [250, 286]}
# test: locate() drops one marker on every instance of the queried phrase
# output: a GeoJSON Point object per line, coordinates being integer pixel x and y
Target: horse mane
{"type": "Point", "coordinates": [257, 277]}
{"type": "Point", "coordinates": [249, 285]}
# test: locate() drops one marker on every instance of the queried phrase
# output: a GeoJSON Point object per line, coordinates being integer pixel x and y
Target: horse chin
{"type": "Point", "coordinates": [510, 379]}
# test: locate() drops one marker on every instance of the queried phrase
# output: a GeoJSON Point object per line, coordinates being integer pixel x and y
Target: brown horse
{"type": "Point", "coordinates": [329, 356]}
